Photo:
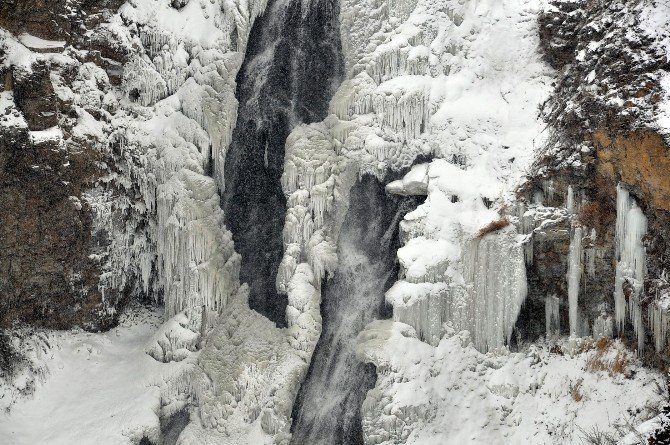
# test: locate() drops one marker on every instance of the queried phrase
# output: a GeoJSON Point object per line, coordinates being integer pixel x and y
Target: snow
{"type": "Point", "coordinates": [50, 134]}
{"type": "Point", "coordinates": [452, 81]}
{"type": "Point", "coordinates": [36, 43]}
{"type": "Point", "coordinates": [21, 56]}
{"type": "Point", "coordinates": [663, 116]}
{"type": "Point", "coordinates": [655, 24]}
{"type": "Point", "coordinates": [200, 21]}
{"type": "Point", "coordinates": [453, 394]}
{"type": "Point", "coordinates": [10, 116]}
{"type": "Point", "coordinates": [99, 388]}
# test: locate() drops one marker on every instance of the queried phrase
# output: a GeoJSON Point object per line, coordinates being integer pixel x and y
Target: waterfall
{"type": "Point", "coordinates": [328, 407]}
{"type": "Point", "coordinates": [292, 67]}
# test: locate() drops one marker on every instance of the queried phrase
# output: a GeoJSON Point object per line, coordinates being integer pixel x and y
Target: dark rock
{"type": "Point", "coordinates": [34, 95]}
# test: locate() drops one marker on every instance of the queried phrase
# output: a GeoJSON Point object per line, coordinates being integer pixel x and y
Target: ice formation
{"type": "Point", "coordinates": [174, 119]}
{"type": "Point", "coordinates": [631, 227]}
{"type": "Point", "coordinates": [456, 82]}
{"type": "Point", "coordinates": [570, 200]}
{"type": "Point", "coordinates": [603, 326]}
{"type": "Point", "coordinates": [470, 282]}
{"type": "Point", "coordinates": [164, 136]}
{"type": "Point", "coordinates": [590, 255]}
{"type": "Point", "coordinates": [659, 321]}
{"type": "Point", "coordinates": [574, 276]}
{"type": "Point", "coordinates": [250, 371]}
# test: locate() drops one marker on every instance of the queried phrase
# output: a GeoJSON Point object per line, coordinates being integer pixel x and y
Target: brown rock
{"type": "Point", "coordinates": [640, 159]}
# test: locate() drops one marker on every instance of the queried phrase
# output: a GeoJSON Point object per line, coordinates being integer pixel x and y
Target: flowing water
{"type": "Point", "coordinates": [327, 411]}
{"type": "Point", "coordinates": [292, 67]}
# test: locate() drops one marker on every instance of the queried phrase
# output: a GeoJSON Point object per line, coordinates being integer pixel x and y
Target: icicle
{"type": "Point", "coordinates": [551, 314]}
{"type": "Point", "coordinates": [570, 201]}
{"type": "Point", "coordinates": [659, 322]}
{"type": "Point", "coordinates": [631, 227]}
{"type": "Point", "coordinates": [408, 115]}
{"type": "Point", "coordinates": [574, 277]}
{"type": "Point", "coordinates": [548, 189]}
{"type": "Point", "coordinates": [496, 275]}
{"type": "Point", "coordinates": [527, 228]}
{"type": "Point", "coordinates": [590, 254]}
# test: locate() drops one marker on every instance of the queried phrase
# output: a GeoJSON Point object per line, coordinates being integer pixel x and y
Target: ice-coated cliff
{"type": "Point", "coordinates": [383, 242]}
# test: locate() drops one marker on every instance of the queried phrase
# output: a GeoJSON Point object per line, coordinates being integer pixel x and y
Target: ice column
{"type": "Point", "coordinates": [631, 227]}
{"type": "Point", "coordinates": [496, 271]}
{"type": "Point", "coordinates": [659, 322]}
{"type": "Point", "coordinates": [570, 201]}
{"type": "Point", "coordinates": [574, 277]}
{"type": "Point", "coordinates": [603, 325]}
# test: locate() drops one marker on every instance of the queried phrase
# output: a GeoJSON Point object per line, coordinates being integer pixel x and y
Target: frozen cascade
{"type": "Point", "coordinates": [631, 227]}
{"type": "Point", "coordinates": [496, 274]}
{"type": "Point", "coordinates": [574, 278]}
{"type": "Point", "coordinates": [327, 410]}
{"type": "Point", "coordinates": [486, 304]}
{"type": "Point", "coordinates": [291, 68]}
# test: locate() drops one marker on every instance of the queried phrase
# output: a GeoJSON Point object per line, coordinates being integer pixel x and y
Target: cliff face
{"type": "Point", "coordinates": [606, 122]}
{"type": "Point", "coordinates": [49, 273]}
{"type": "Point", "coordinates": [55, 19]}
{"type": "Point", "coordinates": [46, 277]}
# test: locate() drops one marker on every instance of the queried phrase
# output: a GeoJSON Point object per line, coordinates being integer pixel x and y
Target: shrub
{"type": "Point", "coordinates": [493, 226]}
{"type": "Point", "coordinates": [574, 391]}
{"type": "Point", "coordinates": [608, 358]}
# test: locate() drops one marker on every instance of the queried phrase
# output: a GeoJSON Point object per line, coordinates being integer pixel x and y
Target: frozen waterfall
{"type": "Point", "coordinates": [293, 57]}
{"type": "Point", "coordinates": [328, 407]}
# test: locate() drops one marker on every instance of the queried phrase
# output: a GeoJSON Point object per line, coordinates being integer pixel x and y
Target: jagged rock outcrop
{"type": "Point", "coordinates": [50, 260]}
{"type": "Point", "coordinates": [46, 275]}
{"type": "Point", "coordinates": [604, 118]}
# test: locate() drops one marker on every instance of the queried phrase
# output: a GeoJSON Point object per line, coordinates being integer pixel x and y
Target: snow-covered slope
{"type": "Point", "coordinates": [453, 394]}
{"type": "Point", "coordinates": [97, 388]}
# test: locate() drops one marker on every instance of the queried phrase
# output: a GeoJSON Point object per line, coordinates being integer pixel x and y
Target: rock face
{"type": "Point", "coordinates": [640, 159]}
{"type": "Point", "coordinates": [48, 275]}
{"type": "Point", "coordinates": [604, 118]}
{"type": "Point", "coordinates": [54, 19]}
